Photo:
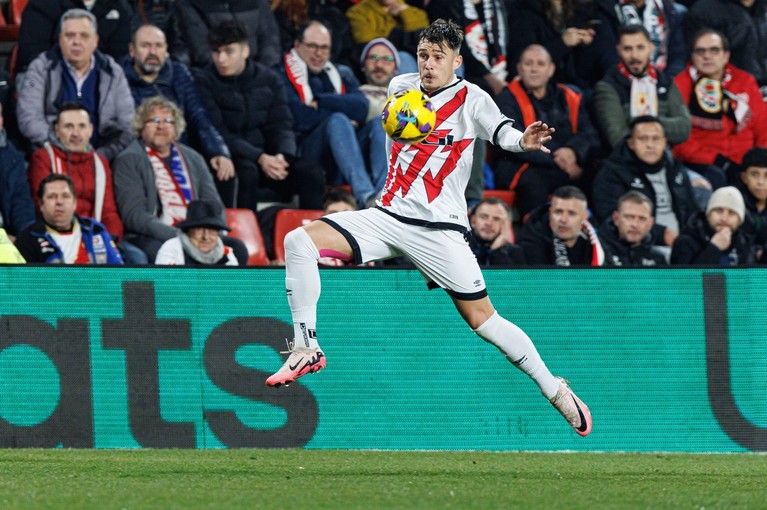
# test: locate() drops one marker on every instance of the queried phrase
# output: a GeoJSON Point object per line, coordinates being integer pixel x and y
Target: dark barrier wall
{"type": "Point", "coordinates": [670, 360]}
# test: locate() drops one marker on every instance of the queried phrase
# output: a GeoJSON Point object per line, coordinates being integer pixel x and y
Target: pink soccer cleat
{"type": "Point", "coordinates": [301, 361]}
{"type": "Point", "coordinates": [572, 408]}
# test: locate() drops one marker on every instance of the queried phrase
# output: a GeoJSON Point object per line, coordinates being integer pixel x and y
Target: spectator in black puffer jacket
{"type": "Point", "coordinates": [627, 236]}
{"type": "Point", "coordinates": [194, 18]}
{"type": "Point", "coordinates": [248, 105]}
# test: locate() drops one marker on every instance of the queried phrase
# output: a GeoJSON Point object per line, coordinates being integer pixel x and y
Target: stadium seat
{"type": "Point", "coordinates": [506, 195]}
{"type": "Point", "coordinates": [10, 22]}
{"type": "Point", "coordinates": [245, 228]}
{"type": "Point", "coordinates": [285, 221]}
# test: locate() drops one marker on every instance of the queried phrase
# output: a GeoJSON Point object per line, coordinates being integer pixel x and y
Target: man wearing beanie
{"type": "Point", "coordinates": [715, 238]}
{"type": "Point", "coordinates": [379, 61]}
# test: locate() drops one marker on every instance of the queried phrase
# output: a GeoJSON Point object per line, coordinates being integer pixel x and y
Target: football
{"type": "Point", "coordinates": [408, 116]}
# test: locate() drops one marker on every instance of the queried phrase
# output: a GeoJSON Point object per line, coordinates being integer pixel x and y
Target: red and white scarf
{"type": "Point", "coordinates": [99, 176]}
{"type": "Point", "coordinates": [174, 186]}
{"type": "Point", "coordinates": [644, 92]}
{"type": "Point", "coordinates": [298, 75]}
{"type": "Point", "coordinates": [653, 18]}
{"type": "Point", "coordinates": [711, 101]}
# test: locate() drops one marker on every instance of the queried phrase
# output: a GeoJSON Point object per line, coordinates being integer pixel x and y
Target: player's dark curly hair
{"type": "Point", "coordinates": [444, 33]}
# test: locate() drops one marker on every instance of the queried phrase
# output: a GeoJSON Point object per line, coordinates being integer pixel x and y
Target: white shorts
{"type": "Point", "coordinates": [442, 256]}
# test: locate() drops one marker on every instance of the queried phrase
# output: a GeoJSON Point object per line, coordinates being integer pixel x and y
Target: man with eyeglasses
{"type": "Point", "coordinates": [156, 177]}
{"type": "Point", "coordinates": [330, 115]}
{"type": "Point", "coordinates": [644, 163]}
{"type": "Point", "coordinates": [728, 113]}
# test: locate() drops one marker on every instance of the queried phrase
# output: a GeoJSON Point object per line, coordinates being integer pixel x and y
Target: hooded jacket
{"type": "Point", "coordinates": [623, 172]}
{"type": "Point", "coordinates": [693, 246]}
{"type": "Point", "coordinates": [620, 253]}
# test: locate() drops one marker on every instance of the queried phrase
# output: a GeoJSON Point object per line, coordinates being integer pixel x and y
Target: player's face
{"type": "Point", "coordinates": [314, 49]}
{"type": "Point", "coordinates": [203, 238]}
{"type": "Point", "coordinates": [648, 142]}
{"type": "Point", "coordinates": [566, 216]}
{"type": "Point", "coordinates": [721, 217]}
{"type": "Point", "coordinates": [231, 59]}
{"type": "Point", "coordinates": [436, 65]}
{"type": "Point", "coordinates": [380, 66]}
{"type": "Point", "coordinates": [57, 205]}
{"type": "Point", "coordinates": [159, 130]}
{"type": "Point", "coordinates": [633, 221]}
{"type": "Point", "coordinates": [635, 51]}
{"type": "Point", "coordinates": [149, 50]}
{"type": "Point", "coordinates": [488, 220]}
{"type": "Point", "coordinates": [78, 41]}
{"type": "Point", "coordinates": [74, 129]}
{"type": "Point", "coordinates": [535, 68]}
{"type": "Point", "coordinates": [755, 179]}
{"type": "Point", "coordinates": [709, 57]}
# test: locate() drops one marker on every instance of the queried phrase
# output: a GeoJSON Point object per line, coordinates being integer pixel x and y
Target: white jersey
{"type": "Point", "coordinates": [426, 181]}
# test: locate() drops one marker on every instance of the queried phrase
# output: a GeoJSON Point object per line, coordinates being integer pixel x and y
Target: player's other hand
{"type": "Point", "coordinates": [535, 135]}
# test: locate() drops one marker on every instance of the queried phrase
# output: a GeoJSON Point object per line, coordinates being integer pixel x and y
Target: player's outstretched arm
{"type": "Point", "coordinates": [535, 136]}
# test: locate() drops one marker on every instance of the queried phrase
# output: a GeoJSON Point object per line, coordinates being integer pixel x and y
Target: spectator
{"type": "Point", "coordinates": [643, 163]}
{"type": "Point", "coordinates": [395, 20]}
{"type": "Point", "coordinates": [159, 13]}
{"type": "Point", "coordinates": [714, 237]}
{"type": "Point", "coordinates": [534, 95]}
{"type": "Point", "coordinates": [155, 177]}
{"type": "Point", "coordinates": [380, 62]}
{"type": "Point", "coordinates": [486, 45]}
{"type": "Point", "coordinates": [338, 200]}
{"type": "Point", "coordinates": [292, 15]}
{"type": "Point", "coordinates": [62, 237]}
{"type": "Point", "coordinates": [195, 17]}
{"type": "Point", "coordinates": [634, 87]}
{"type": "Point", "coordinates": [743, 23]}
{"type": "Point", "coordinates": [68, 151]}
{"type": "Point", "coordinates": [728, 114]}
{"type": "Point", "coordinates": [40, 26]}
{"type": "Point", "coordinates": [248, 105]}
{"type": "Point", "coordinates": [17, 210]}
{"type": "Point", "coordinates": [150, 72]}
{"type": "Point", "coordinates": [753, 187]}
{"type": "Point", "coordinates": [491, 234]}
{"type": "Point", "coordinates": [328, 108]}
{"type": "Point", "coordinates": [75, 71]}
{"type": "Point", "coordinates": [627, 235]}
{"type": "Point", "coordinates": [199, 243]}
{"type": "Point", "coordinates": [560, 234]}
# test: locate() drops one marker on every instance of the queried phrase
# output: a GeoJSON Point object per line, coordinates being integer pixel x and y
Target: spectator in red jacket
{"type": "Point", "coordinates": [727, 110]}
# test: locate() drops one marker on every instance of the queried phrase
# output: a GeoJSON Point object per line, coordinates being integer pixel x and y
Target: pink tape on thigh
{"type": "Point", "coordinates": [335, 254]}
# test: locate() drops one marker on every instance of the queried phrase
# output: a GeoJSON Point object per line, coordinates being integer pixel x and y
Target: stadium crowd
{"type": "Point", "coordinates": [148, 106]}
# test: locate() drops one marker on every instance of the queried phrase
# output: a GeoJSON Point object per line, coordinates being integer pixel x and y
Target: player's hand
{"type": "Point", "coordinates": [223, 167]}
{"type": "Point", "coordinates": [722, 239]}
{"type": "Point", "coordinates": [275, 167]}
{"type": "Point", "coordinates": [535, 135]}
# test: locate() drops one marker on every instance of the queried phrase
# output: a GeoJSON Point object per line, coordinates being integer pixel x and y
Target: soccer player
{"type": "Point", "coordinates": [422, 215]}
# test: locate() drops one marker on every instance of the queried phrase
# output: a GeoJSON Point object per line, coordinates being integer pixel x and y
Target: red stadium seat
{"type": "Point", "coordinates": [506, 195]}
{"type": "Point", "coordinates": [287, 220]}
{"type": "Point", "coordinates": [245, 228]}
{"type": "Point", "coordinates": [10, 22]}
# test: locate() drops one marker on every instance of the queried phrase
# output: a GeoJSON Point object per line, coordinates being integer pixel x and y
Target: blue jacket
{"type": "Point", "coordinates": [16, 204]}
{"type": "Point", "coordinates": [175, 82]}
{"type": "Point", "coordinates": [37, 245]}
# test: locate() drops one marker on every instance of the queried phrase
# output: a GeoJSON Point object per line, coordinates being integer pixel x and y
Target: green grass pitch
{"type": "Point", "coordinates": [332, 479]}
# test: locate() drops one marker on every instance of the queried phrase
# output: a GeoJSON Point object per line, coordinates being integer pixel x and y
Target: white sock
{"type": "Point", "coordinates": [302, 284]}
{"type": "Point", "coordinates": [519, 349]}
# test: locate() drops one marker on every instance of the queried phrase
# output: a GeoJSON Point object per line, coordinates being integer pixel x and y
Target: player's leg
{"type": "Point", "coordinates": [302, 284]}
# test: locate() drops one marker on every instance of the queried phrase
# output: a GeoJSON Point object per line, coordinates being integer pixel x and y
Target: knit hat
{"type": "Point", "coordinates": [375, 42]}
{"type": "Point", "coordinates": [727, 197]}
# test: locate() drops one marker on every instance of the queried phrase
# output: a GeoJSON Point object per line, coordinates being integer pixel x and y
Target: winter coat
{"type": "Point", "coordinates": [16, 205]}
{"type": "Point", "coordinates": [37, 245]}
{"type": "Point", "coordinates": [81, 168]}
{"type": "Point", "coordinates": [623, 172]}
{"type": "Point", "coordinates": [507, 255]}
{"type": "Point", "coordinates": [755, 223]}
{"type": "Point", "coordinates": [612, 104]}
{"type": "Point", "coordinates": [369, 19]}
{"type": "Point", "coordinates": [537, 242]}
{"type": "Point", "coordinates": [693, 246]}
{"type": "Point", "coordinates": [172, 253]}
{"type": "Point", "coordinates": [116, 21]}
{"type": "Point", "coordinates": [250, 110]}
{"type": "Point", "coordinates": [195, 17]}
{"type": "Point", "coordinates": [704, 145]}
{"type": "Point", "coordinates": [176, 83]}
{"type": "Point", "coordinates": [744, 27]}
{"type": "Point", "coordinates": [620, 253]}
{"type": "Point", "coordinates": [136, 192]}
{"type": "Point", "coordinates": [40, 98]}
